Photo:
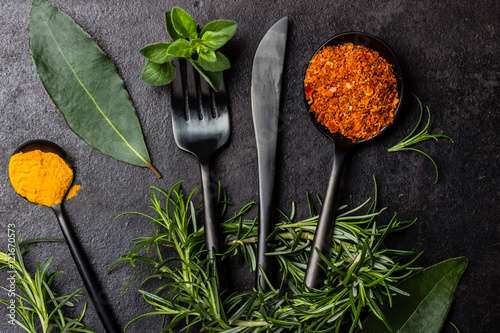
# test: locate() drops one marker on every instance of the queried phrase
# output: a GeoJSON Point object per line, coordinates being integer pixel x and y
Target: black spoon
{"type": "Point", "coordinates": [88, 276]}
{"type": "Point", "coordinates": [314, 277]}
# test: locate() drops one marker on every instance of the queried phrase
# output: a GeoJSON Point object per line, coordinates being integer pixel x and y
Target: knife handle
{"type": "Point", "coordinates": [266, 161]}
{"type": "Point", "coordinates": [322, 242]}
{"type": "Point", "coordinates": [264, 264]}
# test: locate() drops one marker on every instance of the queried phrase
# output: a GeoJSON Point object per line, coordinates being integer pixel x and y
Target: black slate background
{"type": "Point", "coordinates": [449, 54]}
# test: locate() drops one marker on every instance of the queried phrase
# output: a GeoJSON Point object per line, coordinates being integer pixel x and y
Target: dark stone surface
{"type": "Point", "coordinates": [449, 53]}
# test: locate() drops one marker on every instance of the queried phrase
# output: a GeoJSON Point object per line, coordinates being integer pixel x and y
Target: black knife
{"type": "Point", "coordinates": [266, 88]}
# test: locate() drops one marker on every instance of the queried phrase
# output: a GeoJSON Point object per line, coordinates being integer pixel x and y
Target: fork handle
{"type": "Point", "coordinates": [213, 234]}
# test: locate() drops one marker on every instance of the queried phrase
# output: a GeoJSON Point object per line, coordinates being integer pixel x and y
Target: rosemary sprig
{"type": "Point", "coordinates": [361, 273]}
{"type": "Point", "coordinates": [37, 304]}
{"type": "Point", "coordinates": [194, 295]}
{"type": "Point", "coordinates": [455, 327]}
{"type": "Point", "coordinates": [423, 135]}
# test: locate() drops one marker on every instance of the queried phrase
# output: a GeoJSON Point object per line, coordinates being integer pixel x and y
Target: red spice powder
{"type": "Point", "coordinates": [352, 90]}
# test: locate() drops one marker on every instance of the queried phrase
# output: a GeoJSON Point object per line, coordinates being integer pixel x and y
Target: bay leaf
{"type": "Point", "coordinates": [431, 293]}
{"type": "Point", "coordinates": [85, 86]}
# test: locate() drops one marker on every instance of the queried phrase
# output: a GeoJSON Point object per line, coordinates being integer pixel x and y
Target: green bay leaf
{"type": "Point", "coordinates": [85, 86]}
{"type": "Point", "coordinates": [431, 292]}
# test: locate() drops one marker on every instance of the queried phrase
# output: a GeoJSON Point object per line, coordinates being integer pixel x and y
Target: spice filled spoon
{"type": "Point", "coordinates": [350, 115]}
{"type": "Point", "coordinates": [40, 172]}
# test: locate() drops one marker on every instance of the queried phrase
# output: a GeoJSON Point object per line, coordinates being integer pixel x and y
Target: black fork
{"type": "Point", "coordinates": [200, 122]}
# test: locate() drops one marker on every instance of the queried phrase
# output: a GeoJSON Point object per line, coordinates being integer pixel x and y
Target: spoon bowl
{"type": "Point", "coordinates": [314, 277]}
{"type": "Point", "coordinates": [375, 44]}
{"type": "Point", "coordinates": [45, 146]}
{"type": "Point", "coordinates": [84, 268]}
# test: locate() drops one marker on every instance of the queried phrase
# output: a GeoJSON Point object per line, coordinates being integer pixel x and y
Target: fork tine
{"type": "Point", "coordinates": [206, 101]}
{"type": "Point", "coordinates": [221, 99]}
{"type": "Point", "coordinates": [192, 91]}
{"type": "Point", "coordinates": [177, 98]}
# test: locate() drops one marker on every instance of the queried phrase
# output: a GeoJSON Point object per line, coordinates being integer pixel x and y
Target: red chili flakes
{"type": "Point", "coordinates": [352, 90]}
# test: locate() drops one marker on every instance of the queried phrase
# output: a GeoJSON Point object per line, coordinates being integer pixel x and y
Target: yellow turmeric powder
{"type": "Point", "coordinates": [72, 191]}
{"type": "Point", "coordinates": [41, 177]}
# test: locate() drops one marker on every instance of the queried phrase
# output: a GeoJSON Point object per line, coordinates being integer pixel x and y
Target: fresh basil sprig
{"type": "Point", "coordinates": [198, 46]}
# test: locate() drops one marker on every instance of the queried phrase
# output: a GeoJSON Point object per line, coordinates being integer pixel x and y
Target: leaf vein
{"type": "Point", "coordinates": [424, 299]}
{"type": "Point", "coordinates": [92, 98]}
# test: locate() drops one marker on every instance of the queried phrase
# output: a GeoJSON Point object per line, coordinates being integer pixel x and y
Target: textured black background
{"type": "Point", "coordinates": [449, 54]}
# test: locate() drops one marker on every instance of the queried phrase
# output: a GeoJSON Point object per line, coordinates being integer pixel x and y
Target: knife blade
{"type": "Point", "coordinates": [267, 73]}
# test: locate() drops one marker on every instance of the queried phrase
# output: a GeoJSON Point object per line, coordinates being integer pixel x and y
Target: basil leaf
{"type": "Point", "coordinates": [215, 40]}
{"type": "Point", "coordinates": [158, 74]}
{"type": "Point", "coordinates": [224, 27]}
{"type": "Point", "coordinates": [197, 44]}
{"type": "Point", "coordinates": [157, 52]}
{"type": "Point", "coordinates": [183, 23]}
{"type": "Point", "coordinates": [208, 55]}
{"type": "Point", "coordinates": [181, 48]}
{"type": "Point", "coordinates": [84, 85]}
{"type": "Point", "coordinates": [431, 292]}
{"type": "Point", "coordinates": [213, 78]}
{"type": "Point", "coordinates": [170, 27]}
{"type": "Point", "coordinates": [220, 64]}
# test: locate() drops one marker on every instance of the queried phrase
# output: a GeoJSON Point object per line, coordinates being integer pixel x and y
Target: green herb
{"type": "Point", "coordinates": [37, 304]}
{"type": "Point", "coordinates": [455, 327]}
{"type": "Point", "coordinates": [431, 293]}
{"type": "Point", "coordinates": [194, 290]}
{"type": "Point", "coordinates": [361, 273]}
{"type": "Point", "coordinates": [85, 86]}
{"type": "Point", "coordinates": [199, 47]}
{"type": "Point", "coordinates": [423, 135]}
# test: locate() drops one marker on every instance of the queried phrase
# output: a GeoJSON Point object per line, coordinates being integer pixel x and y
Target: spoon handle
{"type": "Point", "coordinates": [89, 279]}
{"type": "Point", "coordinates": [322, 241]}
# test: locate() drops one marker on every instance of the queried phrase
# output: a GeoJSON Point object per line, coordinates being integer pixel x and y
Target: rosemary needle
{"type": "Point", "coordinates": [37, 307]}
{"type": "Point", "coordinates": [361, 274]}
{"type": "Point", "coordinates": [423, 135]}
